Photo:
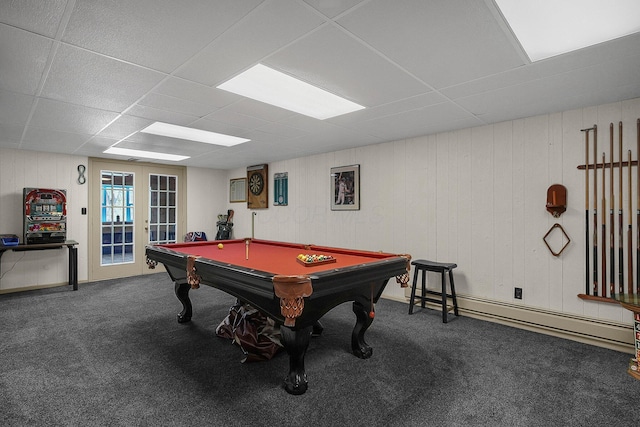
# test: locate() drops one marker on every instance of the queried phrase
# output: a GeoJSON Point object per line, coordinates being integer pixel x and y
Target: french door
{"type": "Point", "coordinates": [132, 205]}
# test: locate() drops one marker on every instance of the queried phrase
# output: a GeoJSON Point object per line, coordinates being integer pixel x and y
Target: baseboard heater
{"type": "Point", "coordinates": [612, 335]}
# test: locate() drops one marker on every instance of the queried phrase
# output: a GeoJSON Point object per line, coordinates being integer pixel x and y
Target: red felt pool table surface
{"type": "Point", "coordinates": [275, 257]}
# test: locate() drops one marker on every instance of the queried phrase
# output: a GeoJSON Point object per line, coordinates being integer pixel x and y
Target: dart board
{"type": "Point", "coordinates": [257, 184]}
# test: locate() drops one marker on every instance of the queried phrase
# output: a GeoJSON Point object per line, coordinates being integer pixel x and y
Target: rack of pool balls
{"type": "Point", "coordinates": [313, 260]}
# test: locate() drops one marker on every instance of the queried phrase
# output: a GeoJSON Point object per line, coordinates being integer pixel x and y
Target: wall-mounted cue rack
{"type": "Point", "coordinates": [602, 248]}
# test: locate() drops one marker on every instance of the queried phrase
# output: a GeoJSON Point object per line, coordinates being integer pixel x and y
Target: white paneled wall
{"type": "Point", "coordinates": [207, 197]}
{"type": "Point", "coordinates": [20, 169]}
{"type": "Point", "coordinates": [475, 197]}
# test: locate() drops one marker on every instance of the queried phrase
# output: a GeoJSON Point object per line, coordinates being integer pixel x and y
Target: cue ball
{"type": "Point", "coordinates": [220, 246]}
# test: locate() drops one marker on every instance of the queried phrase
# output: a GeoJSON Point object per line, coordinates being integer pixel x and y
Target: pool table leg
{"type": "Point", "coordinates": [182, 292]}
{"type": "Point", "coordinates": [317, 329]}
{"type": "Point", "coordinates": [359, 347]}
{"type": "Point", "coordinates": [296, 343]}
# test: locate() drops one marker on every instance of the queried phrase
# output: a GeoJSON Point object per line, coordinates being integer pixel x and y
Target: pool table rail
{"type": "Point", "coordinates": [334, 285]}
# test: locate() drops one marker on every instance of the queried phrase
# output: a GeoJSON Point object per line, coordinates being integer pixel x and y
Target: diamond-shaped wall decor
{"type": "Point", "coordinates": [553, 227]}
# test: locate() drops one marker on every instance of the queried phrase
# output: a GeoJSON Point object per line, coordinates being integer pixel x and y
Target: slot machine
{"type": "Point", "coordinates": [45, 215]}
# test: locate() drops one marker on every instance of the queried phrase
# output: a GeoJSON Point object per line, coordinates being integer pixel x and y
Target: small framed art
{"type": "Point", "coordinates": [238, 190]}
{"type": "Point", "coordinates": [281, 189]}
{"type": "Point", "coordinates": [345, 188]}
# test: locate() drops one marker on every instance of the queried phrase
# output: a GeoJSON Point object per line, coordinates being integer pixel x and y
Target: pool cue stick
{"type": "Point", "coordinates": [603, 252]}
{"type": "Point", "coordinates": [253, 225]}
{"type": "Point", "coordinates": [595, 210]}
{"type": "Point", "coordinates": [246, 248]}
{"type": "Point", "coordinates": [612, 234]}
{"type": "Point", "coordinates": [638, 210]}
{"type": "Point", "coordinates": [620, 233]}
{"type": "Point", "coordinates": [586, 208]}
{"type": "Point", "coordinates": [630, 236]}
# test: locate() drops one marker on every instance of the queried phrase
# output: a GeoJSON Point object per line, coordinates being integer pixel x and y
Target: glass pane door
{"type": "Point", "coordinates": [117, 217]}
{"type": "Point", "coordinates": [163, 219]}
{"type": "Point", "coordinates": [132, 205]}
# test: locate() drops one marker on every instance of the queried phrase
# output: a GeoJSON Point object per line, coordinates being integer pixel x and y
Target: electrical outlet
{"type": "Point", "coordinates": [518, 293]}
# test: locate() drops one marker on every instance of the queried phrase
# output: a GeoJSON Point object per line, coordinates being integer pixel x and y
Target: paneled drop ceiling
{"type": "Point", "coordinates": [78, 76]}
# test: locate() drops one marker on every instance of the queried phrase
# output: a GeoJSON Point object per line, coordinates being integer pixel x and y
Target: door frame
{"type": "Point", "coordinates": [142, 170]}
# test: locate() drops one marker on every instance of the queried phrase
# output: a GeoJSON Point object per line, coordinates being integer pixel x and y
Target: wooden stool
{"type": "Point", "coordinates": [423, 266]}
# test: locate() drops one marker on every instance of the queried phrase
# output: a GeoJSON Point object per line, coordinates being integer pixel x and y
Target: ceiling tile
{"type": "Point", "coordinates": [64, 117]}
{"type": "Point", "coordinates": [407, 104]}
{"type": "Point", "coordinates": [37, 16]}
{"type": "Point", "coordinates": [14, 108]}
{"type": "Point", "coordinates": [277, 130]}
{"type": "Point", "coordinates": [269, 27]}
{"type": "Point", "coordinates": [442, 42]}
{"type": "Point", "coordinates": [220, 127]}
{"type": "Point", "coordinates": [178, 105]}
{"type": "Point", "coordinates": [10, 135]}
{"type": "Point", "coordinates": [160, 34]}
{"type": "Point", "coordinates": [604, 53]}
{"type": "Point", "coordinates": [332, 8]}
{"type": "Point", "coordinates": [95, 146]}
{"type": "Point", "coordinates": [260, 110]}
{"type": "Point", "coordinates": [23, 57]}
{"type": "Point", "coordinates": [346, 69]}
{"type": "Point", "coordinates": [196, 92]}
{"type": "Point", "coordinates": [540, 96]}
{"type": "Point", "coordinates": [229, 116]}
{"type": "Point", "coordinates": [158, 115]}
{"type": "Point", "coordinates": [418, 122]}
{"type": "Point", "coordinates": [420, 67]}
{"type": "Point", "coordinates": [52, 140]}
{"type": "Point", "coordinates": [124, 126]}
{"type": "Point", "coordinates": [334, 139]}
{"type": "Point", "coordinates": [217, 160]}
{"type": "Point", "coordinates": [81, 77]}
{"type": "Point", "coordinates": [325, 134]}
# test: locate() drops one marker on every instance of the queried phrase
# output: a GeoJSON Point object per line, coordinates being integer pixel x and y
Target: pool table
{"type": "Point", "coordinates": [296, 294]}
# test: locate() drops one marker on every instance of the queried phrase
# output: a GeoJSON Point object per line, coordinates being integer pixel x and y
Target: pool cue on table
{"type": "Point", "coordinates": [620, 232]}
{"type": "Point", "coordinates": [603, 252]}
{"type": "Point", "coordinates": [630, 235]}
{"type": "Point", "coordinates": [595, 210]}
{"type": "Point", "coordinates": [246, 248]}
{"type": "Point", "coordinates": [612, 233]}
{"type": "Point", "coordinates": [586, 208]}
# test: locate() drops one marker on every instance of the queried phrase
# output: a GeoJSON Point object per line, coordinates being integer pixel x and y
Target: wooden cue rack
{"type": "Point", "coordinates": [621, 242]}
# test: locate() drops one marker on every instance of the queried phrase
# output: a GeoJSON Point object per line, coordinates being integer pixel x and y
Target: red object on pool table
{"type": "Point", "coordinates": [267, 275]}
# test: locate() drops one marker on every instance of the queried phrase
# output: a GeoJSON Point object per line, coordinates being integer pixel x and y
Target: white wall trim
{"type": "Point", "coordinates": [602, 333]}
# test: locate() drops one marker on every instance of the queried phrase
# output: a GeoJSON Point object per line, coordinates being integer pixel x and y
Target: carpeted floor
{"type": "Point", "coordinates": [113, 354]}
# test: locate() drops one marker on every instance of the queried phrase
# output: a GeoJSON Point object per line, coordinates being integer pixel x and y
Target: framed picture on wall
{"type": "Point", "coordinates": [345, 188]}
{"type": "Point", "coordinates": [238, 190]}
{"type": "Point", "coordinates": [281, 189]}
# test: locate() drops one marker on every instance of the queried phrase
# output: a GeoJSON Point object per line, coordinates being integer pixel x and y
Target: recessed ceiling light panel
{"type": "Point", "coordinates": [144, 154]}
{"type": "Point", "coordinates": [546, 28]}
{"type": "Point", "coordinates": [267, 85]}
{"type": "Point", "coordinates": [191, 134]}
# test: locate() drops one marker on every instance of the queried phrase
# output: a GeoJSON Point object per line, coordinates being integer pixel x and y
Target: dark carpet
{"type": "Point", "coordinates": [113, 354]}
